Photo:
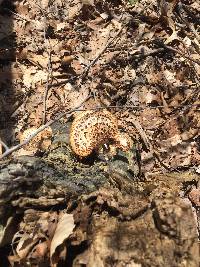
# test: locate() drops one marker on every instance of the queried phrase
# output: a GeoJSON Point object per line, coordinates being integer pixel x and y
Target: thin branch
{"type": "Point", "coordinates": [3, 144]}
{"type": "Point", "coordinates": [49, 76]}
{"type": "Point", "coordinates": [17, 15]}
{"type": "Point", "coordinates": [40, 129]}
{"type": "Point", "coordinates": [146, 141]}
{"type": "Point", "coordinates": [180, 53]}
{"type": "Point", "coordinates": [85, 72]}
{"type": "Point", "coordinates": [45, 99]}
{"type": "Point", "coordinates": [183, 8]}
{"type": "Point", "coordinates": [147, 54]}
{"type": "Point", "coordinates": [143, 107]}
{"type": "Point", "coordinates": [87, 68]}
{"type": "Point", "coordinates": [49, 64]}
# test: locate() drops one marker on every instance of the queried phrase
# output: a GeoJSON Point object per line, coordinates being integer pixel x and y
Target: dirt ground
{"type": "Point", "coordinates": [140, 60]}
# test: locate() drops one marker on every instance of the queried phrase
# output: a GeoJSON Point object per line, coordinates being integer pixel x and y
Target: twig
{"type": "Point", "coordinates": [146, 141]}
{"type": "Point", "coordinates": [86, 70]}
{"type": "Point", "coordinates": [142, 107]}
{"type": "Point", "coordinates": [3, 144]}
{"type": "Point", "coordinates": [182, 12]}
{"type": "Point", "coordinates": [12, 149]}
{"type": "Point", "coordinates": [49, 66]}
{"type": "Point", "coordinates": [147, 54]}
{"type": "Point", "coordinates": [17, 15]}
{"type": "Point", "coordinates": [180, 53]}
{"type": "Point", "coordinates": [49, 74]}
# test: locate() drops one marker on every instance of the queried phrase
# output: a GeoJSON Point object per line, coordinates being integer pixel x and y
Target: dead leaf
{"type": "Point", "coordinates": [194, 196]}
{"type": "Point", "coordinates": [64, 229]}
{"type": "Point", "coordinates": [32, 76]}
{"type": "Point", "coordinates": [40, 250]}
{"type": "Point", "coordinates": [75, 97]}
{"type": "Point", "coordinates": [25, 244]}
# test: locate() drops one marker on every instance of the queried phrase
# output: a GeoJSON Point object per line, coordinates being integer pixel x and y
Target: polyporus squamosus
{"type": "Point", "coordinates": [91, 129]}
{"type": "Point", "coordinates": [40, 142]}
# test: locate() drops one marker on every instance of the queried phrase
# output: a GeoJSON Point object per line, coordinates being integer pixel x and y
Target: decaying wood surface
{"type": "Point", "coordinates": [120, 219]}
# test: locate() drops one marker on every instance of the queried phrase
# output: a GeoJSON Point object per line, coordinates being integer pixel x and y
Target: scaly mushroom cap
{"type": "Point", "coordinates": [123, 141]}
{"type": "Point", "coordinates": [91, 129]}
{"type": "Point", "coordinates": [37, 143]}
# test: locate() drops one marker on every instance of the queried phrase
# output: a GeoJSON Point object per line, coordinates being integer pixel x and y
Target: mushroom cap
{"type": "Point", "coordinates": [123, 141]}
{"type": "Point", "coordinates": [37, 142]}
{"type": "Point", "coordinates": [90, 129]}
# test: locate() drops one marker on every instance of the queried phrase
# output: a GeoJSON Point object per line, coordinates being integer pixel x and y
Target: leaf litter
{"type": "Point", "coordinates": [143, 57]}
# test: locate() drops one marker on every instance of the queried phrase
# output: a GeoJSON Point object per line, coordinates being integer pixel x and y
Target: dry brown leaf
{"type": "Point", "coordinates": [172, 37]}
{"type": "Point", "coordinates": [64, 229]}
{"type": "Point", "coordinates": [88, 2]}
{"type": "Point", "coordinates": [26, 243]}
{"type": "Point", "coordinates": [194, 196]}
{"type": "Point", "coordinates": [1, 149]}
{"type": "Point", "coordinates": [39, 60]}
{"type": "Point", "coordinates": [32, 76]}
{"type": "Point", "coordinates": [98, 41]}
{"type": "Point", "coordinates": [75, 98]}
{"type": "Point", "coordinates": [44, 4]}
{"type": "Point", "coordinates": [40, 250]}
{"type": "Point", "coordinates": [151, 118]}
{"type": "Point", "coordinates": [74, 9]}
{"type": "Point", "coordinates": [171, 77]}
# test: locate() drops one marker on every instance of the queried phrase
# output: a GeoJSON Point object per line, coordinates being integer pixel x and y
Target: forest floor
{"type": "Point", "coordinates": [139, 59]}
